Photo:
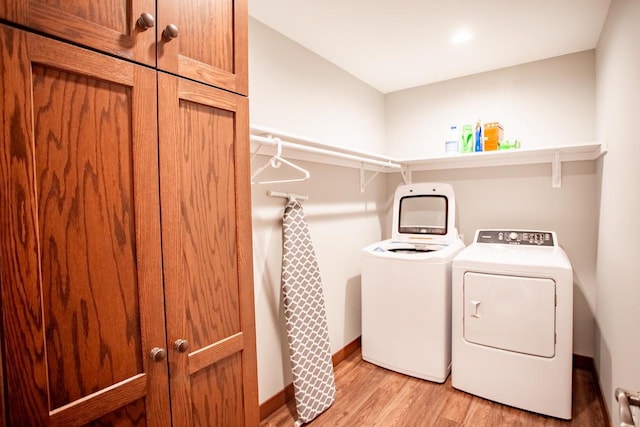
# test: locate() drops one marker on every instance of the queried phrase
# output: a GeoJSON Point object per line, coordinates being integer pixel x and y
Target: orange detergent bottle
{"type": "Point", "coordinates": [493, 135]}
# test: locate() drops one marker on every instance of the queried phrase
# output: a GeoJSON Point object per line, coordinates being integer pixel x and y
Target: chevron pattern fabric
{"type": "Point", "coordinates": [306, 318]}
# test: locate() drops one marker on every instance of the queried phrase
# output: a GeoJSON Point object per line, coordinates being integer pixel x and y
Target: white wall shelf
{"type": "Point", "coordinates": [301, 148]}
{"type": "Point", "coordinates": [554, 155]}
{"type": "Point", "coordinates": [568, 153]}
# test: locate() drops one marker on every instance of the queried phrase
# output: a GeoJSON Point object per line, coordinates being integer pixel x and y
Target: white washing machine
{"type": "Point", "coordinates": [406, 285]}
{"type": "Point", "coordinates": [513, 319]}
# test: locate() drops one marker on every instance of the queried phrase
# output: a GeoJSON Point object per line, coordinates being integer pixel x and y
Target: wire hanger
{"type": "Point", "coordinates": [275, 162]}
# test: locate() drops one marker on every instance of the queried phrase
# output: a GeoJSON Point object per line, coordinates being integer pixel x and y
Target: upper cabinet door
{"type": "Point", "coordinates": [107, 25]}
{"type": "Point", "coordinates": [80, 257]}
{"type": "Point", "coordinates": [205, 41]}
{"type": "Point", "coordinates": [206, 249]}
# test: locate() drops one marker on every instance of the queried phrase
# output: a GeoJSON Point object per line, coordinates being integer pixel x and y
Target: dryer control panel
{"type": "Point", "coordinates": [516, 237]}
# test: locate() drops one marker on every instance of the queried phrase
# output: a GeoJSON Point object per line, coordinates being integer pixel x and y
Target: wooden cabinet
{"type": "Point", "coordinates": [81, 256]}
{"type": "Point", "coordinates": [90, 318]}
{"type": "Point", "coordinates": [210, 45]}
{"type": "Point", "coordinates": [204, 170]}
{"type": "Point", "coordinates": [105, 25]}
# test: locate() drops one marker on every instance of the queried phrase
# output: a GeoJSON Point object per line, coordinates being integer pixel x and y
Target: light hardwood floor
{"type": "Point", "coordinates": [368, 395]}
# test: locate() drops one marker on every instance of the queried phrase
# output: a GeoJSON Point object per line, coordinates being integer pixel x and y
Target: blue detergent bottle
{"type": "Point", "coordinates": [478, 136]}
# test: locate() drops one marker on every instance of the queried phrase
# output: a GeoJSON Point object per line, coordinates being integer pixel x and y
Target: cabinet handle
{"type": "Point", "coordinates": [181, 345]}
{"type": "Point", "coordinates": [146, 21]}
{"type": "Point", "coordinates": [170, 32]}
{"type": "Point", "coordinates": [158, 354]}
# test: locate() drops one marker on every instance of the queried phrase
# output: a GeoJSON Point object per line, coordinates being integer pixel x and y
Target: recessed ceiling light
{"type": "Point", "coordinates": [461, 37]}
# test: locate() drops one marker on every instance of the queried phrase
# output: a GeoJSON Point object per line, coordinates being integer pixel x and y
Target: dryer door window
{"type": "Point", "coordinates": [510, 313]}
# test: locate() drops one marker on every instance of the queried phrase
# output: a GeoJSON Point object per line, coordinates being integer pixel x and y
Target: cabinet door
{"type": "Point", "coordinates": [211, 43]}
{"type": "Point", "coordinates": [206, 247]}
{"type": "Point", "coordinates": [106, 25]}
{"type": "Point", "coordinates": [80, 252]}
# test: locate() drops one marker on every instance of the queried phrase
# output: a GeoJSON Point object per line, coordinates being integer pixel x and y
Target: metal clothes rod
{"type": "Point", "coordinates": [290, 196]}
{"type": "Point", "coordinates": [306, 141]}
{"type": "Point", "coordinates": [300, 147]}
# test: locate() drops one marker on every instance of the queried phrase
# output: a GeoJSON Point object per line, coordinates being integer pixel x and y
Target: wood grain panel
{"type": "Point", "coordinates": [217, 394]}
{"type": "Point", "coordinates": [87, 236]}
{"type": "Point", "coordinates": [46, 52]}
{"type": "Point", "coordinates": [107, 14]}
{"type": "Point", "coordinates": [208, 223]}
{"type": "Point", "coordinates": [80, 254]}
{"type": "Point", "coordinates": [223, 60]}
{"type": "Point", "coordinates": [107, 25]}
{"type": "Point", "coordinates": [12, 10]}
{"type": "Point", "coordinates": [209, 295]}
{"type": "Point", "coordinates": [175, 294]}
{"type": "Point", "coordinates": [22, 315]}
{"type": "Point", "coordinates": [2, 396]}
{"type": "Point", "coordinates": [213, 353]}
{"type": "Point", "coordinates": [245, 263]}
{"type": "Point", "coordinates": [107, 401]}
{"type": "Point", "coordinates": [211, 21]}
{"type": "Point", "coordinates": [131, 415]}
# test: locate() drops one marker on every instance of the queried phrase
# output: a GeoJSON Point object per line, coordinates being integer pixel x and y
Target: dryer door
{"type": "Point", "coordinates": [510, 313]}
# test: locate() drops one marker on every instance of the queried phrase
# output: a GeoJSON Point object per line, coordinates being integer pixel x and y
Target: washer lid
{"type": "Point", "coordinates": [424, 213]}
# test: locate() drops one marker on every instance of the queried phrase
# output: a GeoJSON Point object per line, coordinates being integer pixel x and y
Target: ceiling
{"type": "Point", "coordinates": [398, 44]}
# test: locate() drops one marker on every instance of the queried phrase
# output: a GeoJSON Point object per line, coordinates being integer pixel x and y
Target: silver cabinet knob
{"type": "Point", "coordinates": [146, 21]}
{"type": "Point", "coordinates": [158, 354]}
{"type": "Point", "coordinates": [181, 345]}
{"type": "Point", "coordinates": [170, 32]}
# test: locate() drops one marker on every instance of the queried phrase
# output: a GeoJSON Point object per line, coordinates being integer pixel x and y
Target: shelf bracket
{"type": "Point", "coordinates": [406, 173]}
{"type": "Point", "coordinates": [363, 183]}
{"type": "Point", "coordinates": [556, 170]}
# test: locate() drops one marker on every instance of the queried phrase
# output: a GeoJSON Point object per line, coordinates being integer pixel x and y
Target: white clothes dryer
{"type": "Point", "coordinates": [513, 321]}
{"type": "Point", "coordinates": [406, 285]}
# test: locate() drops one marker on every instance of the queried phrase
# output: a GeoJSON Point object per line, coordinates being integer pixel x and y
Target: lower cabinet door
{"type": "Point", "coordinates": [206, 239]}
{"type": "Point", "coordinates": [80, 254]}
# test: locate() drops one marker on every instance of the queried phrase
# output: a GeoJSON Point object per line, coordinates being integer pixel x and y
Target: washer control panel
{"type": "Point", "coordinates": [515, 237]}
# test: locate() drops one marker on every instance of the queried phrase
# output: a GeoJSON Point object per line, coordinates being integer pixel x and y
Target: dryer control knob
{"type": "Point", "coordinates": [513, 235]}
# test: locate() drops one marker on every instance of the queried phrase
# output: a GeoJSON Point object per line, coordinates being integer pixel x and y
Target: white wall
{"type": "Point", "coordinates": [618, 265]}
{"type": "Point", "coordinates": [554, 98]}
{"type": "Point", "coordinates": [543, 103]}
{"type": "Point", "coordinates": [294, 90]}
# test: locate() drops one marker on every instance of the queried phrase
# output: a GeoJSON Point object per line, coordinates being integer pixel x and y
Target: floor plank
{"type": "Point", "coordinates": [367, 395]}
